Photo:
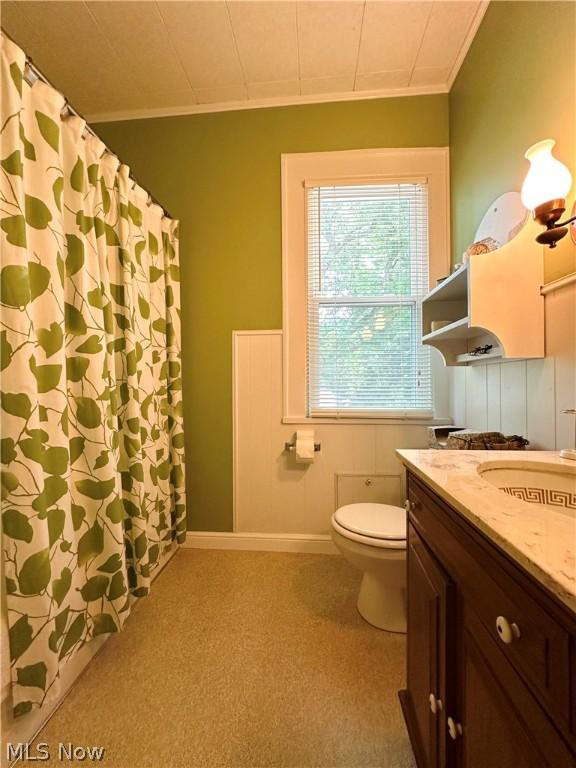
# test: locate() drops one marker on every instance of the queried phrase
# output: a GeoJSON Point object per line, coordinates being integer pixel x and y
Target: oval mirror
{"type": "Point", "coordinates": [503, 220]}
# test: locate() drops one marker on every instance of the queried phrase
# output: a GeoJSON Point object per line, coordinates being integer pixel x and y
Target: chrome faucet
{"type": "Point", "coordinates": [570, 453]}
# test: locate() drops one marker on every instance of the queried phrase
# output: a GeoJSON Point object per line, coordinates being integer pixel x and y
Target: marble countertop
{"type": "Point", "coordinates": [542, 540]}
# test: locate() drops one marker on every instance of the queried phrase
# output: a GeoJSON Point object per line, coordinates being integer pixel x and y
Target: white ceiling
{"type": "Point", "coordinates": [116, 59]}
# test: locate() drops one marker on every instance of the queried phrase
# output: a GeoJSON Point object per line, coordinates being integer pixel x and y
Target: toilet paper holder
{"type": "Point", "coordinates": [292, 446]}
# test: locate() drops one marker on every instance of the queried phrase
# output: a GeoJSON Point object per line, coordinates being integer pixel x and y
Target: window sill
{"type": "Point", "coordinates": [416, 421]}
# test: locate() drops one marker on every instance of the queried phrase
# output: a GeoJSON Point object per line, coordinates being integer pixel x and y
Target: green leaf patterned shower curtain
{"type": "Point", "coordinates": [92, 440]}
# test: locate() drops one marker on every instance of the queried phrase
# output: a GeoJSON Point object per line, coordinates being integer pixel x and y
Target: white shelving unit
{"type": "Point", "coordinates": [493, 299]}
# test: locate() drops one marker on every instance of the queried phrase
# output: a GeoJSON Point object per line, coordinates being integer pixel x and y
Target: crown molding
{"type": "Point", "coordinates": [284, 101]}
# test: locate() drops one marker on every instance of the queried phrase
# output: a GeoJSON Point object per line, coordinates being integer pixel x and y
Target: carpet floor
{"type": "Point", "coordinates": [243, 660]}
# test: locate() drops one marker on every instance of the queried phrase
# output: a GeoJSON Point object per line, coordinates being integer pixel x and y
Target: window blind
{"type": "Point", "coordinates": [367, 274]}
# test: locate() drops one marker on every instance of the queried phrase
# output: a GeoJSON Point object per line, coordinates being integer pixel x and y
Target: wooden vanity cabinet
{"type": "Point", "coordinates": [491, 655]}
{"type": "Point", "coordinates": [431, 596]}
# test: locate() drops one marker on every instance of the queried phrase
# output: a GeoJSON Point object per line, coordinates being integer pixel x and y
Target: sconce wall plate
{"type": "Point", "coordinates": [548, 214]}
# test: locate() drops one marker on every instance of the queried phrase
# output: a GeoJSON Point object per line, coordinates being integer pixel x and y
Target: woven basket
{"type": "Point", "coordinates": [485, 441]}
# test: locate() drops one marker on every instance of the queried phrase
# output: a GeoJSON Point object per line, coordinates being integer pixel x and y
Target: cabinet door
{"type": "Point", "coordinates": [430, 597]}
{"type": "Point", "coordinates": [501, 723]}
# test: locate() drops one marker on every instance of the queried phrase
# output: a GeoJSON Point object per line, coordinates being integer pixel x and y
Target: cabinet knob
{"type": "Point", "coordinates": [454, 728]}
{"type": "Point", "coordinates": [435, 704]}
{"type": "Point", "coordinates": [507, 631]}
{"type": "Point", "coordinates": [410, 506]}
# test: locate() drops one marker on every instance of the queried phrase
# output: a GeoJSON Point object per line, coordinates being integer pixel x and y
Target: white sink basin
{"type": "Point", "coordinates": [549, 485]}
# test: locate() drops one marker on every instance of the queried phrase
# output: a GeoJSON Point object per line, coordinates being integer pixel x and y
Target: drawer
{"type": "Point", "coordinates": [502, 597]}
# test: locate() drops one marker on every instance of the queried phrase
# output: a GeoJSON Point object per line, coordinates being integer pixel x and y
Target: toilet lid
{"type": "Point", "coordinates": [379, 521]}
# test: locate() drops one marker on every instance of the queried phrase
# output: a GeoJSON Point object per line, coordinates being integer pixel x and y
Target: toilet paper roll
{"type": "Point", "coordinates": [305, 446]}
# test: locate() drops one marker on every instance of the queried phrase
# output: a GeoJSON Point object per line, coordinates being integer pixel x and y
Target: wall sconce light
{"type": "Point", "coordinates": [544, 191]}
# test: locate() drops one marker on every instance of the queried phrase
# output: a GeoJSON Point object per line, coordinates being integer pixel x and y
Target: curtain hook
{"type": "Point", "coordinates": [30, 74]}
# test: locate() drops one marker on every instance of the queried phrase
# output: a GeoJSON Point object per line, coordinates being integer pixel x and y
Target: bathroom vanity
{"type": "Point", "coordinates": [491, 646]}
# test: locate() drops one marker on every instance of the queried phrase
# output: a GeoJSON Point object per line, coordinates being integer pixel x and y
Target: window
{"type": "Point", "coordinates": [365, 233]}
{"type": "Point", "coordinates": [367, 247]}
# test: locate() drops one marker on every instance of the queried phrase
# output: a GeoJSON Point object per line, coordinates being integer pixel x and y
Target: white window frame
{"type": "Point", "coordinates": [302, 170]}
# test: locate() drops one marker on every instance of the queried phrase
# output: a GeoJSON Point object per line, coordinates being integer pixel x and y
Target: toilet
{"type": "Point", "coordinates": [373, 538]}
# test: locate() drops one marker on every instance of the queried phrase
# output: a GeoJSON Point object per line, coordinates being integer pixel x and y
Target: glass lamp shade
{"type": "Point", "coordinates": [547, 179]}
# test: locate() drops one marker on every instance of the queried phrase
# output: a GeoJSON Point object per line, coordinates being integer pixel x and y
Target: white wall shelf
{"type": "Point", "coordinates": [493, 299]}
{"type": "Point", "coordinates": [459, 329]}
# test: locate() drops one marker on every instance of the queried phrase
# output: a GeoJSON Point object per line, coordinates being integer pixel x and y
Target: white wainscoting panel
{"type": "Point", "coordinates": [493, 404]}
{"type": "Point", "coordinates": [272, 493]}
{"type": "Point", "coordinates": [561, 345]}
{"type": "Point", "coordinates": [458, 395]}
{"type": "Point", "coordinates": [527, 397]}
{"type": "Point", "coordinates": [540, 394]}
{"type": "Point", "coordinates": [476, 398]}
{"type": "Point", "coordinates": [513, 403]}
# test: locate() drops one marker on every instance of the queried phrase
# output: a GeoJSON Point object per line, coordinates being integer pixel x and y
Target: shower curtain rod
{"type": "Point", "coordinates": [39, 75]}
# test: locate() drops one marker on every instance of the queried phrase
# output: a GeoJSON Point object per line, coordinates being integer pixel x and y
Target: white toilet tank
{"type": "Point", "coordinates": [355, 488]}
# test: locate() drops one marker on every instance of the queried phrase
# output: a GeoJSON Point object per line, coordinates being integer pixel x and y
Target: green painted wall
{"type": "Point", "coordinates": [516, 86]}
{"type": "Point", "coordinates": [220, 175]}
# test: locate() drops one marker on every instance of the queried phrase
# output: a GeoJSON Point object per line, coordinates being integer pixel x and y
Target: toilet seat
{"type": "Point", "coordinates": [376, 525]}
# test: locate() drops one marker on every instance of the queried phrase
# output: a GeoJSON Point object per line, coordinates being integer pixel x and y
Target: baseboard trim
{"type": "Point", "coordinates": [318, 544]}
